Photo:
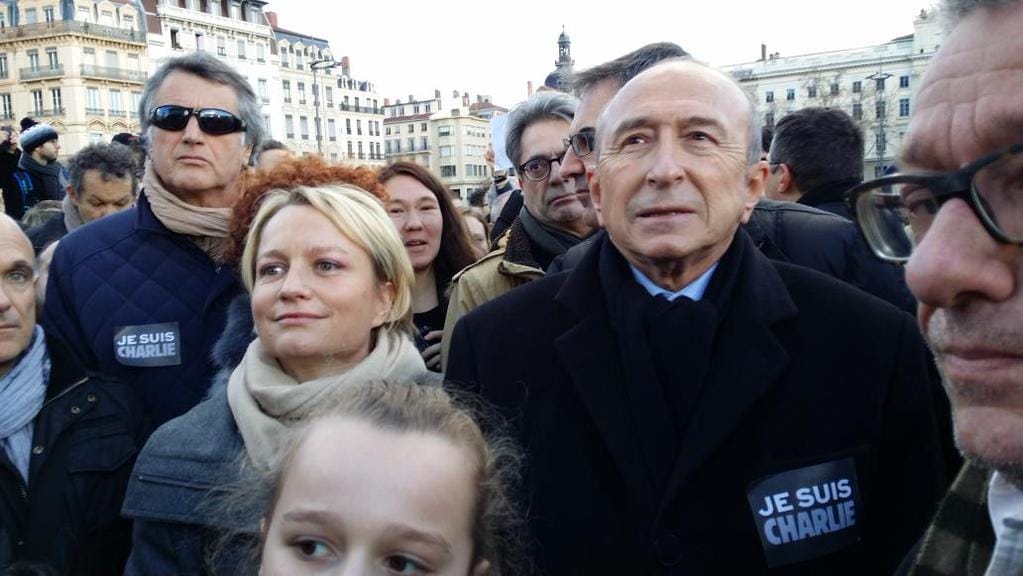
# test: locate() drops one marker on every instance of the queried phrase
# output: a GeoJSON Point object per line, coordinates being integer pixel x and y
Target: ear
{"type": "Point", "coordinates": [385, 300]}
{"type": "Point", "coordinates": [596, 196]}
{"type": "Point", "coordinates": [71, 194]}
{"type": "Point", "coordinates": [521, 181]}
{"type": "Point", "coordinates": [756, 178]}
{"type": "Point", "coordinates": [263, 525]}
{"type": "Point", "coordinates": [785, 179]}
{"type": "Point", "coordinates": [482, 568]}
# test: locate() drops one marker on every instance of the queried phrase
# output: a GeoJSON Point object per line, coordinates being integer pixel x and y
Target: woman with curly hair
{"type": "Point", "coordinates": [438, 245]}
{"type": "Point", "coordinates": [330, 287]}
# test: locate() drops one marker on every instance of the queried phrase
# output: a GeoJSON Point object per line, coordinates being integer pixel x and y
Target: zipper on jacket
{"type": "Point", "coordinates": [24, 491]}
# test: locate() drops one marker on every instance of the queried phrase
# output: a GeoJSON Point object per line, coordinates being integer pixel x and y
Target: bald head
{"type": "Point", "coordinates": [17, 293]}
{"type": "Point", "coordinates": [669, 81]}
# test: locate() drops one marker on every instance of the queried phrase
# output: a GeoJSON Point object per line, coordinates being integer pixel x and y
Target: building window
{"type": "Point", "coordinates": [301, 92]}
{"type": "Point", "coordinates": [387, 131]}
{"type": "Point", "coordinates": [3, 21]}
{"type": "Point", "coordinates": [388, 146]}
{"type": "Point", "coordinates": [266, 123]}
{"type": "Point", "coordinates": [444, 130]}
{"type": "Point", "coordinates": [260, 52]}
{"type": "Point", "coordinates": [351, 153]}
{"type": "Point", "coordinates": [880, 109]}
{"type": "Point", "coordinates": [3, 65]}
{"type": "Point", "coordinates": [136, 101]}
{"type": "Point", "coordinates": [903, 107]}
{"type": "Point", "coordinates": [215, 8]}
{"type": "Point", "coordinates": [48, 14]}
{"type": "Point", "coordinates": [348, 126]}
{"type": "Point", "coordinates": [903, 81]}
{"type": "Point", "coordinates": [289, 126]}
{"type": "Point", "coordinates": [241, 49]}
{"type": "Point", "coordinates": [92, 105]}
{"type": "Point", "coordinates": [221, 46]}
{"type": "Point", "coordinates": [31, 17]}
{"type": "Point", "coordinates": [303, 126]}
{"type": "Point", "coordinates": [769, 119]}
{"type": "Point", "coordinates": [328, 94]}
{"type": "Point", "coordinates": [56, 100]}
{"type": "Point", "coordinates": [298, 60]}
{"type": "Point", "coordinates": [857, 87]}
{"type": "Point", "coordinates": [834, 89]}
{"type": "Point", "coordinates": [448, 171]}
{"type": "Point", "coordinates": [37, 102]}
{"type": "Point", "coordinates": [880, 144]}
{"type": "Point", "coordinates": [857, 111]}
{"type": "Point", "coordinates": [175, 43]}
{"type": "Point", "coordinates": [412, 144]}
{"type": "Point", "coordinates": [425, 143]}
{"type": "Point", "coordinates": [236, 11]}
{"type": "Point", "coordinates": [286, 87]}
{"type": "Point", "coordinates": [769, 97]}
{"type": "Point", "coordinates": [331, 130]}
{"type": "Point", "coordinates": [264, 90]}
{"type": "Point", "coordinates": [254, 13]}
{"type": "Point", "coordinates": [879, 84]}
{"type": "Point", "coordinates": [447, 151]}
{"type": "Point", "coordinates": [51, 57]}
{"type": "Point", "coordinates": [358, 127]}
{"type": "Point", "coordinates": [6, 107]}
{"type": "Point", "coordinates": [33, 60]}
{"type": "Point", "coordinates": [811, 92]}
{"type": "Point", "coordinates": [790, 94]}
{"type": "Point", "coordinates": [115, 101]}
{"type": "Point", "coordinates": [200, 42]}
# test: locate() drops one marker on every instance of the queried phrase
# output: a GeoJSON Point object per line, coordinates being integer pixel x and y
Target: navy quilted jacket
{"type": "Point", "coordinates": [136, 301]}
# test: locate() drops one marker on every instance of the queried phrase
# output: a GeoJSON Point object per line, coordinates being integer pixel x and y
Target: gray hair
{"type": "Point", "coordinates": [539, 107]}
{"type": "Point", "coordinates": [955, 10]}
{"type": "Point", "coordinates": [625, 68]}
{"type": "Point", "coordinates": [113, 161]}
{"type": "Point", "coordinates": [754, 132]}
{"type": "Point", "coordinates": [211, 69]}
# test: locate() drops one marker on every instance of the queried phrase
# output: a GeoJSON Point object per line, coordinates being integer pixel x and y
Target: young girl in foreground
{"type": "Point", "coordinates": [392, 479]}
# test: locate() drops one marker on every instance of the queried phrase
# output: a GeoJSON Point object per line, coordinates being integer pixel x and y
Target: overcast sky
{"type": "Point", "coordinates": [482, 48]}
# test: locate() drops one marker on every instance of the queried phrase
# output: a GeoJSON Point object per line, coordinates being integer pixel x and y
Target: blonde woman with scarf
{"type": "Point", "coordinates": [330, 286]}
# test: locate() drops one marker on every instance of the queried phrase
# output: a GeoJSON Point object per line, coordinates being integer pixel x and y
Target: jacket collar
{"type": "Point", "coordinates": [144, 217]}
{"type": "Point", "coordinates": [518, 248]}
{"type": "Point", "coordinates": [748, 359]}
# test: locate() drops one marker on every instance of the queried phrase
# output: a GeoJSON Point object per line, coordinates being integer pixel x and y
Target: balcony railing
{"type": "Point", "coordinates": [362, 109]}
{"type": "Point", "coordinates": [6, 115]}
{"type": "Point", "coordinates": [40, 73]}
{"type": "Point", "coordinates": [95, 111]}
{"type": "Point", "coordinates": [52, 113]}
{"type": "Point", "coordinates": [71, 27]}
{"type": "Point", "coordinates": [118, 113]}
{"type": "Point", "coordinates": [109, 73]}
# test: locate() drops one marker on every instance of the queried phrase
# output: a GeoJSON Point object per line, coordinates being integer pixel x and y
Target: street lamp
{"type": "Point", "coordinates": [314, 66]}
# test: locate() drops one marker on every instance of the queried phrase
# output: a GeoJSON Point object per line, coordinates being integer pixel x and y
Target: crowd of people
{"type": "Point", "coordinates": [672, 341]}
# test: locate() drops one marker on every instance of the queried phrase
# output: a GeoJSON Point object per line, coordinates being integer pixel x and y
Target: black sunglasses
{"type": "Point", "coordinates": [211, 120]}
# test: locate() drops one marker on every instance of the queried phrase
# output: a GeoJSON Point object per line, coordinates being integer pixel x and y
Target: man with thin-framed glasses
{"type": "Point", "coordinates": [553, 215]}
{"type": "Point", "coordinates": [142, 295]}
{"type": "Point", "coordinates": [954, 216]}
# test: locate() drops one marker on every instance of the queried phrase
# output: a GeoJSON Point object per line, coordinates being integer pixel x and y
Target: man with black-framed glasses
{"type": "Point", "coordinates": [142, 294]}
{"type": "Point", "coordinates": [953, 215]}
{"type": "Point", "coordinates": [552, 218]}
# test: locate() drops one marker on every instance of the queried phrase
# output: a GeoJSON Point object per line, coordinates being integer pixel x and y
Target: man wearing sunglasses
{"type": "Point", "coordinates": [552, 218]}
{"type": "Point", "coordinates": [953, 216]}
{"type": "Point", "coordinates": [142, 294]}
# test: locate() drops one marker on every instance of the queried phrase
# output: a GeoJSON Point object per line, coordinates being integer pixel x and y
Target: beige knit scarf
{"type": "Point", "coordinates": [206, 227]}
{"type": "Point", "coordinates": [265, 401]}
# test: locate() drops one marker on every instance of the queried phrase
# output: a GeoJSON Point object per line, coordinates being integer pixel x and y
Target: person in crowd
{"type": "Point", "coordinates": [271, 153]}
{"type": "Point", "coordinates": [783, 231]}
{"type": "Point", "coordinates": [416, 460]}
{"type": "Point", "coordinates": [40, 214]}
{"type": "Point", "coordinates": [671, 408]}
{"type": "Point", "coordinates": [10, 154]}
{"type": "Point", "coordinates": [476, 226]}
{"type": "Point", "coordinates": [331, 307]}
{"type": "Point", "coordinates": [137, 147]}
{"type": "Point", "coordinates": [552, 217]}
{"type": "Point", "coordinates": [816, 156]}
{"type": "Point", "coordinates": [437, 243]}
{"type": "Point", "coordinates": [38, 175]}
{"type": "Point", "coordinates": [69, 439]}
{"type": "Point", "coordinates": [102, 183]}
{"type": "Point", "coordinates": [958, 196]}
{"type": "Point", "coordinates": [142, 294]}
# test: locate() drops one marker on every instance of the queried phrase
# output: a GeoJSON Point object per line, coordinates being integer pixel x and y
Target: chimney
{"type": "Point", "coordinates": [411, 98]}
{"type": "Point", "coordinates": [436, 93]}
{"type": "Point", "coordinates": [479, 98]}
{"type": "Point", "coordinates": [465, 99]}
{"type": "Point", "coordinates": [455, 94]}
{"type": "Point", "coordinates": [271, 17]}
{"type": "Point", "coordinates": [529, 88]}
{"type": "Point", "coordinates": [763, 52]}
{"type": "Point", "coordinates": [346, 66]}
{"type": "Point", "coordinates": [387, 101]}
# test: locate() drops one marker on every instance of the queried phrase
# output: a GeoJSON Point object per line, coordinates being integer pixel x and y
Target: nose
{"type": "Point", "coordinates": [571, 166]}
{"type": "Point", "coordinates": [666, 166]}
{"type": "Point", "coordinates": [412, 220]}
{"type": "Point", "coordinates": [294, 285]}
{"type": "Point", "coordinates": [192, 133]}
{"type": "Point", "coordinates": [5, 300]}
{"type": "Point", "coordinates": [958, 261]}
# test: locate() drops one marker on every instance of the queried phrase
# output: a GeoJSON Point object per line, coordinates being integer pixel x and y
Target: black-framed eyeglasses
{"type": "Point", "coordinates": [538, 169]}
{"type": "Point", "coordinates": [582, 142]}
{"type": "Point", "coordinates": [211, 120]}
{"type": "Point", "coordinates": [894, 212]}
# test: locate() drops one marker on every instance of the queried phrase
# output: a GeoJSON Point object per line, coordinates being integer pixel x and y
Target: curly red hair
{"type": "Point", "coordinates": [289, 173]}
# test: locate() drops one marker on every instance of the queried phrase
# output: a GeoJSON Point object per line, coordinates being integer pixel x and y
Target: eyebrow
{"type": "Point", "coordinates": [22, 266]}
{"type": "Point", "coordinates": [646, 121]}
{"type": "Point", "coordinates": [323, 517]}
{"type": "Point", "coordinates": [314, 250]}
{"type": "Point", "coordinates": [406, 532]}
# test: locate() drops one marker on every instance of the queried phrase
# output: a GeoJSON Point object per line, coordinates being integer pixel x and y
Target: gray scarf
{"type": "Point", "coordinates": [22, 391]}
{"type": "Point", "coordinates": [52, 175]}
{"type": "Point", "coordinates": [72, 218]}
{"type": "Point", "coordinates": [552, 241]}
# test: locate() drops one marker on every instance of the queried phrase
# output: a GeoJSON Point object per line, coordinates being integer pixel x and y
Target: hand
{"type": "Point", "coordinates": [431, 354]}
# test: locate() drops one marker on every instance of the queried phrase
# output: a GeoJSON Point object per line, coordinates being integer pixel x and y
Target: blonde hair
{"type": "Point", "coordinates": [361, 218]}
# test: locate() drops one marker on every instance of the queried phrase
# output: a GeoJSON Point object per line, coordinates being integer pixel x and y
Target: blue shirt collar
{"type": "Point", "coordinates": [694, 290]}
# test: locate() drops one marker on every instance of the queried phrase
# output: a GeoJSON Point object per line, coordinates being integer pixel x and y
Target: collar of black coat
{"type": "Point", "coordinates": [65, 371]}
{"type": "Point", "coordinates": [755, 283]}
{"type": "Point", "coordinates": [829, 192]}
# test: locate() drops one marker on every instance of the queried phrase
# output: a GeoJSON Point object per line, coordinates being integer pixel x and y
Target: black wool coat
{"type": "Point", "coordinates": [805, 370]}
